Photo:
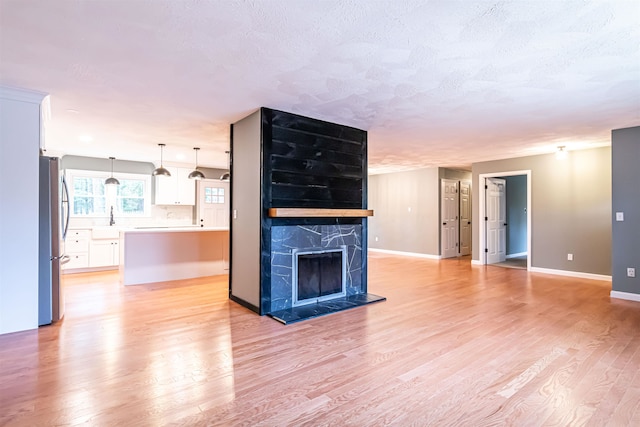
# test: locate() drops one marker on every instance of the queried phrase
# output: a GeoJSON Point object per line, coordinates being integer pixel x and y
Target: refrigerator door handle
{"type": "Point", "coordinates": [65, 200]}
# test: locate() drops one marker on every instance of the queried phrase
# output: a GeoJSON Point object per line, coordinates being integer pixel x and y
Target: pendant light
{"type": "Point", "coordinates": [196, 174]}
{"type": "Point", "coordinates": [161, 171]}
{"type": "Point", "coordinates": [111, 180]}
{"type": "Point", "coordinates": [227, 175]}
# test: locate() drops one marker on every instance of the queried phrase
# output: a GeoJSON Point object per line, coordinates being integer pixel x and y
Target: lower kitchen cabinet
{"type": "Point", "coordinates": [77, 248]}
{"type": "Point", "coordinates": [104, 253]}
{"type": "Point", "coordinates": [77, 260]}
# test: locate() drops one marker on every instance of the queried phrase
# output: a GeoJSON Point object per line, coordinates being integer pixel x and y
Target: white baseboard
{"type": "Point", "coordinates": [88, 269]}
{"type": "Point", "coordinates": [516, 255]}
{"type": "Point", "coordinates": [476, 262]}
{"type": "Point", "coordinates": [571, 273]}
{"type": "Point", "coordinates": [625, 295]}
{"type": "Point", "coordinates": [412, 254]}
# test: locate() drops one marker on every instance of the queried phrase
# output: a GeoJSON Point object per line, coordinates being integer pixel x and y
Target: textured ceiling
{"type": "Point", "coordinates": [436, 83]}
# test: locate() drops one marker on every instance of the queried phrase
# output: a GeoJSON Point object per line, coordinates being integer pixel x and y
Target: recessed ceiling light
{"type": "Point", "coordinates": [85, 138]}
{"type": "Point", "coordinates": [180, 156]}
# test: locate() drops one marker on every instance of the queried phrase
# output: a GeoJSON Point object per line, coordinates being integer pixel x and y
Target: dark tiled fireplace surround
{"type": "Point", "coordinates": [289, 237]}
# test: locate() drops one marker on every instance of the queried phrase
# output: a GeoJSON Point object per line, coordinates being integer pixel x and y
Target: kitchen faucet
{"type": "Point", "coordinates": [111, 220]}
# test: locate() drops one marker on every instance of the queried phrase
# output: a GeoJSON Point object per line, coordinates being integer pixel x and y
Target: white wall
{"type": "Point", "coordinates": [19, 181]}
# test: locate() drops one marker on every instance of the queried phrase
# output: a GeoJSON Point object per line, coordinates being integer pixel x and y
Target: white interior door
{"type": "Point", "coordinates": [496, 220]}
{"type": "Point", "coordinates": [449, 216]}
{"type": "Point", "coordinates": [465, 218]}
{"type": "Point", "coordinates": [213, 203]}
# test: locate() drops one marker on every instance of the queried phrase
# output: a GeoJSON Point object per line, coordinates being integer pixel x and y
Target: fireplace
{"type": "Point", "coordinates": [318, 275]}
{"type": "Point", "coordinates": [343, 242]}
{"type": "Point", "coordinates": [298, 216]}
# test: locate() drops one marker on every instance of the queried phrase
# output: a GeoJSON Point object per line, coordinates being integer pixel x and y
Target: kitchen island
{"type": "Point", "coordinates": [150, 255]}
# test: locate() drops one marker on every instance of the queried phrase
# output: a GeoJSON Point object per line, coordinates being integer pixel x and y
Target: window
{"type": "Point", "coordinates": [90, 197]}
{"type": "Point", "coordinates": [130, 196]}
{"type": "Point", "coordinates": [214, 195]}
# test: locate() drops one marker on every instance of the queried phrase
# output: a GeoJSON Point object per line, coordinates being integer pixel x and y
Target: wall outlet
{"type": "Point", "coordinates": [235, 214]}
{"type": "Point", "coordinates": [377, 238]}
{"type": "Point", "coordinates": [631, 272]}
{"type": "Point", "coordinates": [619, 216]}
{"type": "Point", "coordinates": [569, 257]}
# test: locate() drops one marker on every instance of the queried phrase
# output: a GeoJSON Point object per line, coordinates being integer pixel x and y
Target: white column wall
{"type": "Point", "coordinates": [19, 182]}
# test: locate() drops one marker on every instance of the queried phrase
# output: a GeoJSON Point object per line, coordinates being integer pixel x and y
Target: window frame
{"type": "Point", "coordinates": [111, 195]}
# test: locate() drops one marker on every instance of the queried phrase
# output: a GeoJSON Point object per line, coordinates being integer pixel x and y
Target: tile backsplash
{"type": "Point", "coordinates": [161, 216]}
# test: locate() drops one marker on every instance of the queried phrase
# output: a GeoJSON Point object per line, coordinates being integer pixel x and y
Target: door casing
{"type": "Point", "coordinates": [449, 218]}
{"type": "Point", "coordinates": [465, 218]}
{"type": "Point", "coordinates": [482, 237]}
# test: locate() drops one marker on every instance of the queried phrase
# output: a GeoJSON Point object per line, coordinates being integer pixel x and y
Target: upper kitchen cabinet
{"type": "Point", "coordinates": [176, 189]}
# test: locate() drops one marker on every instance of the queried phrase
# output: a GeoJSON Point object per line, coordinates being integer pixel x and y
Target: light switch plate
{"type": "Point", "coordinates": [631, 272]}
{"type": "Point", "coordinates": [619, 216]}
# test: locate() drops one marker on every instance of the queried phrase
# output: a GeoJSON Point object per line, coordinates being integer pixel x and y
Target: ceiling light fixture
{"type": "Point", "coordinates": [561, 153]}
{"type": "Point", "coordinates": [111, 180]}
{"type": "Point", "coordinates": [227, 175]}
{"type": "Point", "coordinates": [196, 174]}
{"type": "Point", "coordinates": [161, 171]}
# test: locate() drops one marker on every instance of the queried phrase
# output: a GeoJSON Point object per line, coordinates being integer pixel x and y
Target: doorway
{"type": "Point", "coordinates": [502, 242]}
{"type": "Point", "coordinates": [496, 219]}
{"type": "Point", "coordinates": [213, 203]}
{"type": "Point", "coordinates": [455, 216]}
{"type": "Point", "coordinates": [449, 212]}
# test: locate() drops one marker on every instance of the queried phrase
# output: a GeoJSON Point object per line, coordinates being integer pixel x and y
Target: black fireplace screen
{"type": "Point", "coordinates": [319, 275]}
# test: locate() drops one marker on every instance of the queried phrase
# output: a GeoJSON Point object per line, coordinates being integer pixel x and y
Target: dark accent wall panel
{"type": "Point", "coordinates": [313, 163]}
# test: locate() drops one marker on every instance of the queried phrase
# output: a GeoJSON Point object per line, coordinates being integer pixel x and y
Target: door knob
{"type": "Point", "coordinates": [444, 223]}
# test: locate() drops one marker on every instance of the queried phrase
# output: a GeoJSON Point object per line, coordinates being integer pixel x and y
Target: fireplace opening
{"type": "Point", "coordinates": [318, 275]}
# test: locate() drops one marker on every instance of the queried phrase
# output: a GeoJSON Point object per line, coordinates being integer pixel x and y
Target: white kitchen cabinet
{"type": "Point", "coordinates": [176, 189]}
{"type": "Point", "coordinates": [77, 248]}
{"type": "Point", "coordinates": [104, 253]}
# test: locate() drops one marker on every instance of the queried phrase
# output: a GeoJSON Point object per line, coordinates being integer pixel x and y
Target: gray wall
{"type": "Point", "coordinates": [625, 158]}
{"type": "Point", "coordinates": [104, 165]}
{"type": "Point", "coordinates": [246, 201]}
{"type": "Point", "coordinates": [123, 166]}
{"type": "Point", "coordinates": [571, 208]}
{"type": "Point", "coordinates": [457, 174]}
{"type": "Point", "coordinates": [407, 209]}
{"type": "Point", "coordinates": [516, 214]}
{"type": "Point", "coordinates": [212, 173]}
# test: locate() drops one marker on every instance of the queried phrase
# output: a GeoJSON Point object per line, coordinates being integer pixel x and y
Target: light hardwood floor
{"type": "Point", "coordinates": [453, 345]}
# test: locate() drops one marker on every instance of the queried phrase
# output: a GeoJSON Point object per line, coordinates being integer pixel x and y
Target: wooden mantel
{"type": "Point", "coordinates": [318, 213]}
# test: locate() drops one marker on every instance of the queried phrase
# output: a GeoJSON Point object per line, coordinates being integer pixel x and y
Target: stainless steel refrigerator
{"type": "Point", "coordinates": [53, 225]}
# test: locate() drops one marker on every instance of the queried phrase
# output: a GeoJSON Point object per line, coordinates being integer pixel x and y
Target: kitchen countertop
{"type": "Point", "coordinates": [186, 229]}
